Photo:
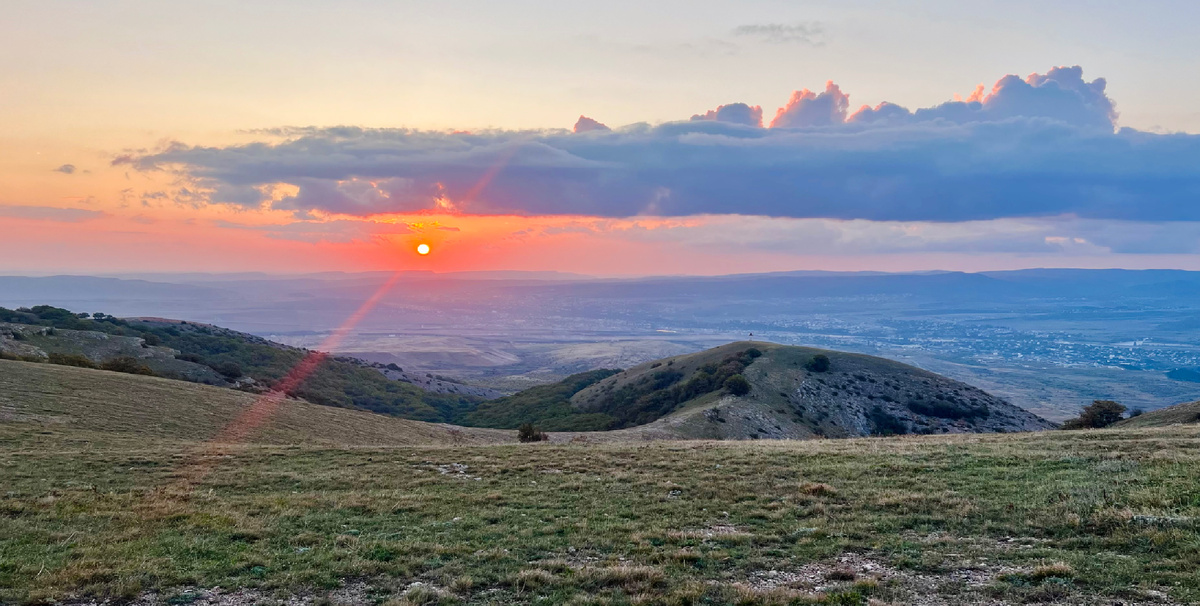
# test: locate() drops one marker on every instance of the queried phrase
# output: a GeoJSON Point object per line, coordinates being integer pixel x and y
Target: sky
{"type": "Point", "coordinates": [613, 138]}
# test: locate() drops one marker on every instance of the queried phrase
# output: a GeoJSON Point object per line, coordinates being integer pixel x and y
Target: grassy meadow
{"type": "Point", "coordinates": [92, 511]}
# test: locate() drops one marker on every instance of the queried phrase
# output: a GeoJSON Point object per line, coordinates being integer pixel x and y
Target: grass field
{"type": "Point", "coordinates": [97, 509]}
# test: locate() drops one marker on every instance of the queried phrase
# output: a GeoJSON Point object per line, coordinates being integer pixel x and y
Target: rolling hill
{"type": "Point", "coordinates": [1179, 414]}
{"type": "Point", "coordinates": [212, 355]}
{"type": "Point", "coordinates": [789, 395]}
{"type": "Point", "coordinates": [48, 398]}
{"type": "Point", "coordinates": [744, 390]}
{"type": "Point", "coordinates": [102, 504]}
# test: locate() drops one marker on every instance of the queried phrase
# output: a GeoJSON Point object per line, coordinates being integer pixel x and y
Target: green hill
{"type": "Point", "coordinates": [740, 390]}
{"type": "Point", "coordinates": [212, 355]}
{"type": "Point", "coordinates": [787, 392]}
{"type": "Point", "coordinates": [1188, 412]}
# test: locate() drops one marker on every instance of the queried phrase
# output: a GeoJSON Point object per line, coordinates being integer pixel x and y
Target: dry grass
{"type": "Point", "coordinates": [110, 402]}
{"type": "Point", "coordinates": [91, 506]}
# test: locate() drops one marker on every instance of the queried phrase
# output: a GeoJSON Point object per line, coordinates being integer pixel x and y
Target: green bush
{"type": "Point", "coordinates": [71, 360]}
{"type": "Point", "coordinates": [818, 363]}
{"type": "Point", "coordinates": [528, 433]}
{"type": "Point", "coordinates": [229, 370]}
{"type": "Point", "coordinates": [1100, 413]}
{"type": "Point", "coordinates": [737, 385]}
{"type": "Point", "coordinates": [127, 364]}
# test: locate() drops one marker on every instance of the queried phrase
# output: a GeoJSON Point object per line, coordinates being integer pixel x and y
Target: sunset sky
{"type": "Point", "coordinates": [720, 137]}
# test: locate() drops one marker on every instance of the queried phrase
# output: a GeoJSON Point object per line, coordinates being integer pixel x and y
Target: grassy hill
{"type": "Point", "coordinates": [1188, 412]}
{"type": "Point", "coordinates": [80, 401]}
{"type": "Point", "coordinates": [335, 506]}
{"type": "Point", "coordinates": [215, 356]}
{"type": "Point", "coordinates": [785, 394]}
{"type": "Point", "coordinates": [739, 390]}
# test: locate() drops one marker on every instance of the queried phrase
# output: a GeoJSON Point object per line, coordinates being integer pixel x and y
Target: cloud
{"type": "Point", "coordinates": [1061, 94]}
{"type": "Point", "coordinates": [811, 33]}
{"type": "Point", "coordinates": [586, 125]}
{"type": "Point", "coordinates": [49, 213]}
{"type": "Point", "coordinates": [734, 113]}
{"type": "Point", "coordinates": [807, 108]}
{"type": "Point", "coordinates": [339, 231]}
{"type": "Point", "coordinates": [1040, 146]}
{"type": "Point", "coordinates": [66, 169]}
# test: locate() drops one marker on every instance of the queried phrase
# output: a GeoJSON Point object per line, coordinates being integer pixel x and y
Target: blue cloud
{"type": "Point", "coordinates": [1040, 146]}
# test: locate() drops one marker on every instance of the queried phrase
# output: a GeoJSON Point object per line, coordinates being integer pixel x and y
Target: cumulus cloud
{"type": "Point", "coordinates": [735, 113]}
{"type": "Point", "coordinates": [586, 125]}
{"type": "Point", "coordinates": [50, 213]}
{"type": "Point", "coordinates": [66, 169]}
{"type": "Point", "coordinates": [807, 108]}
{"type": "Point", "coordinates": [1060, 94]}
{"type": "Point", "coordinates": [1039, 146]}
{"type": "Point", "coordinates": [811, 33]}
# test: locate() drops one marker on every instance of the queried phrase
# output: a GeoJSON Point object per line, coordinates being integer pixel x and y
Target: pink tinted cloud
{"type": "Point", "coordinates": [587, 125]}
{"type": "Point", "coordinates": [807, 108]}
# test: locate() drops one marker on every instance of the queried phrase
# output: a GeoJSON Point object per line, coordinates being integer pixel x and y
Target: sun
{"type": "Point", "coordinates": [422, 249]}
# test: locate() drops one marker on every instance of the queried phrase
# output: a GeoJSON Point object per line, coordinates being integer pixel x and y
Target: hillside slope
{"type": "Point", "coordinates": [789, 396]}
{"type": "Point", "coordinates": [217, 356]}
{"type": "Point", "coordinates": [1188, 412]}
{"type": "Point", "coordinates": [48, 398]}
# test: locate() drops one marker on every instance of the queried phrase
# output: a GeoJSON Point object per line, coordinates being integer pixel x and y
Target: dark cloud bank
{"type": "Point", "coordinates": [1045, 145]}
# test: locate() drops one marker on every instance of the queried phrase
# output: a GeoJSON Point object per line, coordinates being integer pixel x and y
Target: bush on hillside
{"type": "Point", "coordinates": [1100, 413]}
{"type": "Point", "coordinates": [884, 424]}
{"type": "Point", "coordinates": [71, 360]}
{"type": "Point", "coordinates": [229, 370]}
{"type": "Point", "coordinates": [737, 385]}
{"type": "Point", "coordinates": [818, 363]}
{"type": "Point", "coordinates": [943, 409]}
{"type": "Point", "coordinates": [128, 365]}
{"type": "Point", "coordinates": [528, 433]}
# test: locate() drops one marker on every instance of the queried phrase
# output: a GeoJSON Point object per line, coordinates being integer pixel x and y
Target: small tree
{"type": "Point", "coordinates": [818, 363]}
{"type": "Point", "coordinates": [737, 385]}
{"type": "Point", "coordinates": [528, 433]}
{"type": "Point", "coordinates": [1100, 413]}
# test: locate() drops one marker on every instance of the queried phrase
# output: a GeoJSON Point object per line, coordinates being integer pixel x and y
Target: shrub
{"type": "Point", "coordinates": [528, 433]}
{"type": "Point", "coordinates": [1100, 413]}
{"type": "Point", "coordinates": [884, 424]}
{"type": "Point", "coordinates": [737, 385]}
{"type": "Point", "coordinates": [190, 357]}
{"type": "Point", "coordinates": [71, 360]}
{"type": "Point", "coordinates": [1136, 412]}
{"type": "Point", "coordinates": [947, 410]}
{"type": "Point", "coordinates": [127, 365]}
{"type": "Point", "coordinates": [818, 363]}
{"type": "Point", "coordinates": [230, 370]}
